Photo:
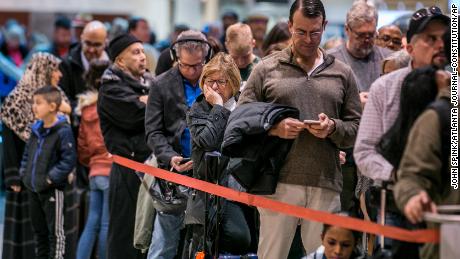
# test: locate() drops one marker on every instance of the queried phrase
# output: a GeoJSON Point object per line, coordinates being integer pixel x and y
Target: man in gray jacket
{"type": "Point", "coordinates": [325, 92]}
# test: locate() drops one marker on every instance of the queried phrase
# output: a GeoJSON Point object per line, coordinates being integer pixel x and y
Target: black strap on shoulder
{"type": "Point", "coordinates": [442, 107]}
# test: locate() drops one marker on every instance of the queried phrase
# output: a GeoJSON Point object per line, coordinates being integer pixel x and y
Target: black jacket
{"type": "Point", "coordinates": [207, 125]}
{"type": "Point", "coordinates": [256, 158]}
{"type": "Point", "coordinates": [72, 82]}
{"type": "Point", "coordinates": [165, 117]}
{"type": "Point", "coordinates": [121, 114]}
{"type": "Point", "coordinates": [49, 153]}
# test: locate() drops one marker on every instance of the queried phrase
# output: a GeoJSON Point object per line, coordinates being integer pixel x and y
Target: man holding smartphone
{"type": "Point", "coordinates": [173, 93]}
{"type": "Point", "coordinates": [325, 92]}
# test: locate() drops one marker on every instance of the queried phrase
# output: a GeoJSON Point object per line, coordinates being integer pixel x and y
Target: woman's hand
{"type": "Point", "coordinates": [212, 97]}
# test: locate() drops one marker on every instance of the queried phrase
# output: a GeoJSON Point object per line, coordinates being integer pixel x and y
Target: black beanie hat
{"type": "Point", "coordinates": [120, 43]}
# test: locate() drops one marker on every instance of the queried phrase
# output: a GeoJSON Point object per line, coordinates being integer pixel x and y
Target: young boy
{"type": "Point", "coordinates": [49, 157]}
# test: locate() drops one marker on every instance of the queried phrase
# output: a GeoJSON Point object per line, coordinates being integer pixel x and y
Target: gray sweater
{"type": "Point", "coordinates": [331, 89]}
{"type": "Point", "coordinates": [366, 70]}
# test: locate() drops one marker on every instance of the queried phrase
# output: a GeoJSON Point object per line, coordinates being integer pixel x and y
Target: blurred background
{"type": "Point", "coordinates": [37, 16]}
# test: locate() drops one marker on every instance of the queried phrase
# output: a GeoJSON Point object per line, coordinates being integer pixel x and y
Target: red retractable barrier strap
{"type": "Point", "coordinates": [416, 236]}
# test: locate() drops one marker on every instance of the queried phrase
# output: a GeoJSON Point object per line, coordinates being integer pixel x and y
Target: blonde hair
{"type": "Point", "coordinates": [224, 64]}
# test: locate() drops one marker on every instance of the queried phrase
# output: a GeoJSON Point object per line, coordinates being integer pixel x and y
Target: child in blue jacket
{"type": "Point", "coordinates": [48, 159]}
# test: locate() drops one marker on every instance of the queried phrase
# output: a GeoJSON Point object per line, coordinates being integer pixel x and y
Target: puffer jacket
{"type": "Point", "coordinates": [256, 157]}
{"type": "Point", "coordinates": [91, 148]}
{"type": "Point", "coordinates": [49, 153]}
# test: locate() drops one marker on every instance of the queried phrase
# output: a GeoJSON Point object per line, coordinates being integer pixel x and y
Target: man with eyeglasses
{"type": "Point", "coordinates": [365, 60]}
{"type": "Point", "coordinates": [390, 36]}
{"type": "Point", "coordinates": [325, 92]}
{"type": "Point", "coordinates": [240, 44]}
{"type": "Point", "coordinates": [426, 47]}
{"type": "Point", "coordinates": [91, 47]}
{"type": "Point", "coordinates": [359, 51]}
{"type": "Point", "coordinates": [171, 96]}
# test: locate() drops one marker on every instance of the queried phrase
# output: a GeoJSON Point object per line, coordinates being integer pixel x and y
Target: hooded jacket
{"type": "Point", "coordinates": [91, 147]}
{"type": "Point", "coordinates": [49, 153]}
{"type": "Point", "coordinates": [256, 158]}
{"type": "Point", "coordinates": [122, 114]}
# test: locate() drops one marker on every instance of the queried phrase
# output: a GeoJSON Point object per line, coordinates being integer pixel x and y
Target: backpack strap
{"type": "Point", "coordinates": [442, 107]}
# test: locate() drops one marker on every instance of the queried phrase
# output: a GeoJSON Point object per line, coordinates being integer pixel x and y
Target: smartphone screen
{"type": "Point", "coordinates": [312, 122]}
{"type": "Point", "coordinates": [185, 160]}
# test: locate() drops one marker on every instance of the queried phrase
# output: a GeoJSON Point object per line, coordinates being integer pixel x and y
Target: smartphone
{"type": "Point", "coordinates": [185, 160]}
{"type": "Point", "coordinates": [312, 122]}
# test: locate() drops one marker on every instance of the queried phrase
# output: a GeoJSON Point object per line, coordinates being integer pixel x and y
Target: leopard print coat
{"type": "Point", "coordinates": [16, 111]}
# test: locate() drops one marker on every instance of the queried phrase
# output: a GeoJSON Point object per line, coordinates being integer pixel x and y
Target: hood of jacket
{"type": "Point", "coordinates": [85, 99]}
{"type": "Point", "coordinates": [38, 125]}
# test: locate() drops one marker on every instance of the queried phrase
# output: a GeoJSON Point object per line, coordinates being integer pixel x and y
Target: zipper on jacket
{"type": "Point", "coordinates": [34, 162]}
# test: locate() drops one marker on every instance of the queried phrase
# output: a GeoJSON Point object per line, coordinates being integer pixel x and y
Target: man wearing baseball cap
{"type": "Point", "coordinates": [426, 47]}
{"type": "Point", "coordinates": [121, 107]}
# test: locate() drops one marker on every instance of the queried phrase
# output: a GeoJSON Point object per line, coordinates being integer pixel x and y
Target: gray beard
{"type": "Point", "coordinates": [363, 52]}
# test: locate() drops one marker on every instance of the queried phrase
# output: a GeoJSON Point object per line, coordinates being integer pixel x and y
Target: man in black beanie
{"type": "Point", "coordinates": [121, 107]}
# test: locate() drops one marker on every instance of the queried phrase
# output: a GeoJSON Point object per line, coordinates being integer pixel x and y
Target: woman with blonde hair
{"type": "Point", "coordinates": [17, 116]}
{"type": "Point", "coordinates": [207, 119]}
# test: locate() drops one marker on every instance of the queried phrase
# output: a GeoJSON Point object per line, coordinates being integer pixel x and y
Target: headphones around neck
{"type": "Point", "coordinates": [173, 53]}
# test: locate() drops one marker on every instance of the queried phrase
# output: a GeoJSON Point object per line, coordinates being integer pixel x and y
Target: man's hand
{"type": "Point", "coordinates": [288, 128]}
{"type": "Point", "coordinates": [16, 188]}
{"type": "Point", "coordinates": [342, 157]}
{"type": "Point", "coordinates": [417, 205]}
{"type": "Point", "coordinates": [144, 98]}
{"type": "Point", "coordinates": [322, 130]}
{"type": "Point", "coordinates": [175, 163]}
{"type": "Point", "coordinates": [363, 96]}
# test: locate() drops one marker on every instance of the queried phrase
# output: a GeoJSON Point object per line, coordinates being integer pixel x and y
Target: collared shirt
{"type": "Point", "coordinates": [318, 62]}
{"type": "Point", "coordinates": [379, 114]}
{"type": "Point", "coordinates": [191, 93]}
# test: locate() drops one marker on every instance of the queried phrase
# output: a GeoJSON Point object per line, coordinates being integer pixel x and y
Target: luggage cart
{"type": "Point", "coordinates": [448, 217]}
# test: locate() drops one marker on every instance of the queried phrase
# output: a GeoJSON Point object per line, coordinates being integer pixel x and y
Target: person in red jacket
{"type": "Point", "coordinates": [93, 154]}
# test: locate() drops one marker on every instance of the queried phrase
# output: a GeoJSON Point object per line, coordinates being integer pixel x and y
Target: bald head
{"type": "Point", "coordinates": [93, 40]}
{"type": "Point", "coordinates": [95, 27]}
{"type": "Point", "coordinates": [390, 36]}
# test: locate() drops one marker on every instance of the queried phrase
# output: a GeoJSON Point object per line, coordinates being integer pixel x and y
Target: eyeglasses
{"type": "Point", "coordinates": [90, 44]}
{"type": "Point", "coordinates": [425, 12]}
{"type": "Point", "coordinates": [187, 66]}
{"type": "Point", "coordinates": [219, 82]}
{"type": "Point", "coordinates": [313, 35]}
{"type": "Point", "coordinates": [363, 35]}
{"type": "Point", "coordinates": [387, 38]}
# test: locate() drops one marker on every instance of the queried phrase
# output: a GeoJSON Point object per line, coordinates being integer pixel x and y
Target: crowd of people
{"type": "Point", "coordinates": [269, 113]}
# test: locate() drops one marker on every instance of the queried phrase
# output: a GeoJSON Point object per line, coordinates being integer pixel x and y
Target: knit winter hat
{"type": "Point", "coordinates": [120, 43]}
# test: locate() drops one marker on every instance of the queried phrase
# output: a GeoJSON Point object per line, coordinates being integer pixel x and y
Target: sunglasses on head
{"type": "Point", "coordinates": [425, 12]}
